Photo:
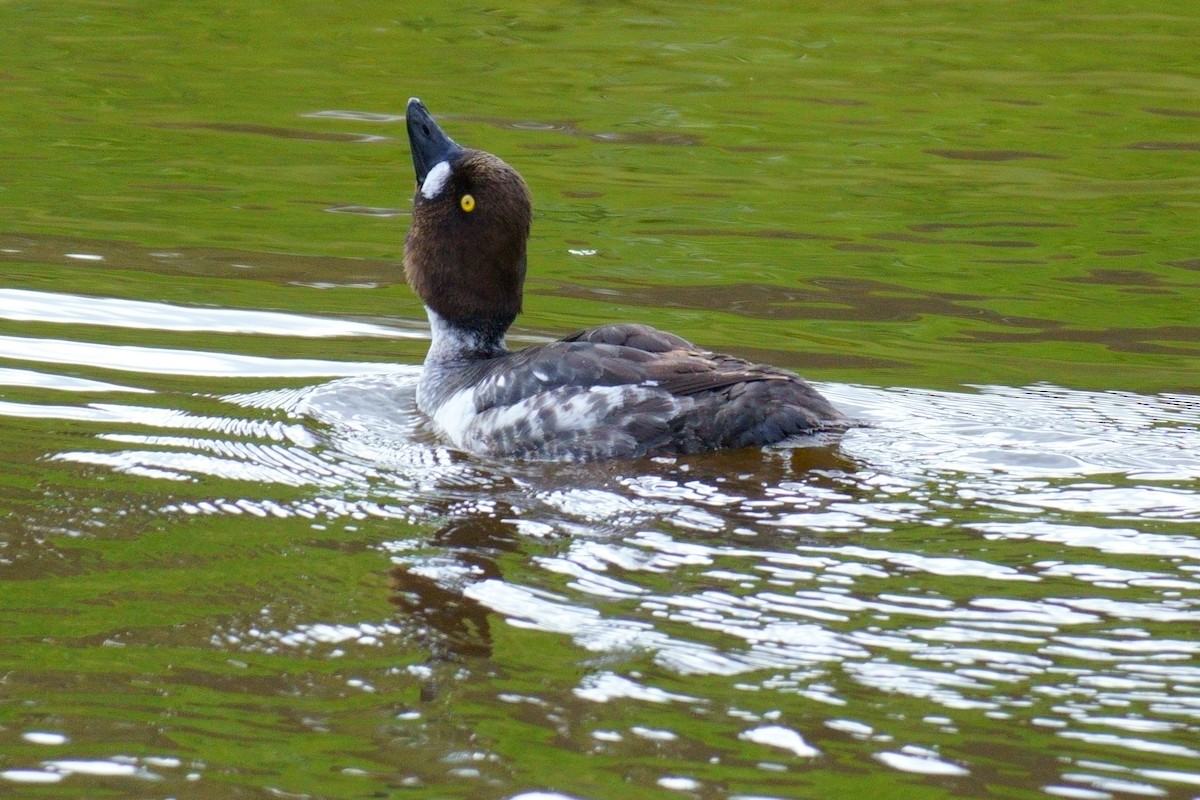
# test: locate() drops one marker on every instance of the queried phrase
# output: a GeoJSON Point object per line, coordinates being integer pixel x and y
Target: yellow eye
{"type": "Point", "coordinates": [467, 202]}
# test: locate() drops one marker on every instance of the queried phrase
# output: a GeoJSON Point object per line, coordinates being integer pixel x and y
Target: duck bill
{"type": "Point", "coordinates": [430, 144]}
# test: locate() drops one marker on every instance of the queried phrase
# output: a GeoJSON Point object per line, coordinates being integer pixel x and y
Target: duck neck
{"type": "Point", "coordinates": [465, 339]}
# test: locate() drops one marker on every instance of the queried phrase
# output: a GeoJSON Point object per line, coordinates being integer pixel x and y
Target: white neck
{"type": "Point", "coordinates": [454, 342]}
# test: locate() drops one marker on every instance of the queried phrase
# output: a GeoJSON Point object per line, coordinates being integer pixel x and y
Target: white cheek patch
{"type": "Point", "coordinates": [435, 180]}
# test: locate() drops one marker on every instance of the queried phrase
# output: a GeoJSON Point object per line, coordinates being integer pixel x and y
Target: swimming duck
{"type": "Point", "coordinates": [616, 391]}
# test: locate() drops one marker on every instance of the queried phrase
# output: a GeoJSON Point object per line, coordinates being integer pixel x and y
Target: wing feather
{"type": "Point", "coordinates": [618, 355]}
{"type": "Point", "coordinates": [674, 397]}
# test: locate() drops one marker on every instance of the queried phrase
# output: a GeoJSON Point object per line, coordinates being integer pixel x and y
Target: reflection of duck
{"type": "Point", "coordinates": [615, 391]}
{"type": "Point", "coordinates": [431, 589]}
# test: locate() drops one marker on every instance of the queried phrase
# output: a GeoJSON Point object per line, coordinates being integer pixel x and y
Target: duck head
{"type": "Point", "coordinates": [464, 255]}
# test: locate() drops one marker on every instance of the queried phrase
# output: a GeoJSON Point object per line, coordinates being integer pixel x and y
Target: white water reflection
{"type": "Point", "coordinates": [1113, 541]}
{"type": "Point", "coordinates": [55, 307]}
{"type": "Point", "coordinates": [782, 738]}
{"type": "Point", "coordinates": [1005, 555]}
{"type": "Point", "coordinates": [166, 361]}
{"type": "Point", "coordinates": [1030, 432]}
{"type": "Point", "coordinates": [144, 768]}
{"type": "Point", "coordinates": [62, 383]}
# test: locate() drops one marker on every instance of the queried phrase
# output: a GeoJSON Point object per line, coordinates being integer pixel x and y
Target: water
{"type": "Point", "coordinates": [235, 562]}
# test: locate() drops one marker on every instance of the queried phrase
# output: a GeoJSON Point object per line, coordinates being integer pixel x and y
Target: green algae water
{"type": "Point", "coordinates": [235, 562]}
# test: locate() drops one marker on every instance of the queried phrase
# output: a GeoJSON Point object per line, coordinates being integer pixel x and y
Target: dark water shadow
{"type": "Point", "coordinates": [200, 261]}
{"type": "Point", "coordinates": [571, 128]}
{"type": "Point", "coordinates": [272, 131]}
{"type": "Point", "coordinates": [431, 589]}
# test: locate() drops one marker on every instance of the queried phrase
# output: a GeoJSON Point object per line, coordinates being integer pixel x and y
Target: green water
{"type": "Point", "coordinates": [928, 193]}
{"type": "Point", "coordinates": [234, 563]}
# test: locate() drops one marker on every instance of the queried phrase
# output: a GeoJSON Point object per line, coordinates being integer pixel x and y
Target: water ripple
{"type": "Point", "coordinates": [55, 307]}
{"type": "Point", "coordinates": [164, 361]}
{"type": "Point", "coordinates": [930, 559]}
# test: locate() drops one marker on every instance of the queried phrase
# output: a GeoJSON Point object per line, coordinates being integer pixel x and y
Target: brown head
{"type": "Point", "coordinates": [465, 251]}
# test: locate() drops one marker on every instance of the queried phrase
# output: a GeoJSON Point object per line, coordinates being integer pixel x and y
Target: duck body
{"type": "Point", "coordinates": [616, 391]}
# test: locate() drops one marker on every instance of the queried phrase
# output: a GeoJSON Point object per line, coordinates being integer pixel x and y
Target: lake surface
{"type": "Point", "coordinates": [235, 562]}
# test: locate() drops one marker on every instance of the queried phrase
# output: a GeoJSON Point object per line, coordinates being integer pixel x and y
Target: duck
{"type": "Point", "coordinates": [617, 391]}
